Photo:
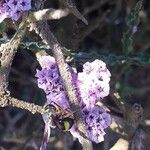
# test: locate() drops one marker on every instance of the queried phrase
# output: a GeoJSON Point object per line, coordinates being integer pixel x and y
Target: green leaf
{"type": "Point", "coordinates": [132, 22]}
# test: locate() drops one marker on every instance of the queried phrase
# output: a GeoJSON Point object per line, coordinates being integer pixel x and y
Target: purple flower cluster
{"type": "Point", "coordinates": [50, 81]}
{"type": "Point", "coordinates": [93, 82]}
{"type": "Point", "coordinates": [13, 8]}
{"type": "Point", "coordinates": [92, 85]}
{"type": "Point", "coordinates": [96, 119]}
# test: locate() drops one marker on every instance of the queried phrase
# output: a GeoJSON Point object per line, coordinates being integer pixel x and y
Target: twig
{"type": "Point", "coordinates": [92, 26]}
{"type": "Point", "coordinates": [48, 14]}
{"type": "Point", "coordinates": [94, 7]}
{"type": "Point", "coordinates": [116, 98]}
{"type": "Point", "coordinates": [43, 30]}
{"type": "Point", "coordinates": [25, 105]}
{"type": "Point", "coordinates": [8, 51]}
{"type": "Point", "coordinates": [14, 102]}
{"type": "Point", "coordinates": [69, 4]}
{"type": "Point", "coordinates": [121, 144]}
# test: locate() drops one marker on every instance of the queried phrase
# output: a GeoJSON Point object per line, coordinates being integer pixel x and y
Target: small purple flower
{"type": "Point", "coordinates": [12, 4]}
{"type": "Point", "coordinates": [15, 14]}
{"type": "Point", "coordinates": [87, 68]}
{"type": "Point", "coordinates": [50, 81]}
{"type": "Point", "coordinates": [98, 117]}
{"type": "Point", "coordinates": [93, 82]}
{"type": "Point", "coordinates": [42, 81]}
{"type": "Point", "coordinates": [13, 9]}
{"type": "Point", "coordinates": [24, 5]}
{"type": "Point", "coordinates": [96, 120]}
{"type": "Point", "coordinates": [47, 62]}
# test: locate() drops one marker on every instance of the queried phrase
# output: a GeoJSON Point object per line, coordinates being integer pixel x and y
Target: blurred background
{"type": "Point", "coordinates": [101, 38]}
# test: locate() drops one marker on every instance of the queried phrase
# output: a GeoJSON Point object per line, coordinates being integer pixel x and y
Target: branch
{"type": "Point", "coordinates": [121, 144]}
{"type": "Point", "coordinates": [48, 14]}
{"type": "Point", "coordinates": [14, 102]}
{"type": "Point", "coordinates": [69, 4]}
{"type": "Point", "coordinates": [43, 31]}
{"type": "Point", "coordinates": [53, 14]}
{"type": "Point", "coordinates": [92, 26]}
{"type": "Point", "coordinates": [95, 6]}
{"type": "Point", "coordinates": [8, 51]}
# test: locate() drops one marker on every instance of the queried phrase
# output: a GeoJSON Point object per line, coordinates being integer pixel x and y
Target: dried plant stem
{"type": "Point", "coordinates": [121, 144]}
{"type": "Point", "coordinates": [69, 4]}
{"type": "Point", "coordinates": [25, 105]}
{"type": "Point", "coordinates": [48, 14]}
{"type": "Point", "coordinates": [14, 102]}
{"type": "Point", "coordinates": [43, 31]}
{"type": "Point", "coordinates": [8, 51]}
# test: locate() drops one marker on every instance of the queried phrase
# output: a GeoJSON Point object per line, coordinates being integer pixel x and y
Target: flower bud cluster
{"type": "Point", "coordinates": [93, 82]}
{"type": "Point", "coordinates": [13, 8]}
{"type": "Point", "coordinates": [92, 85]}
